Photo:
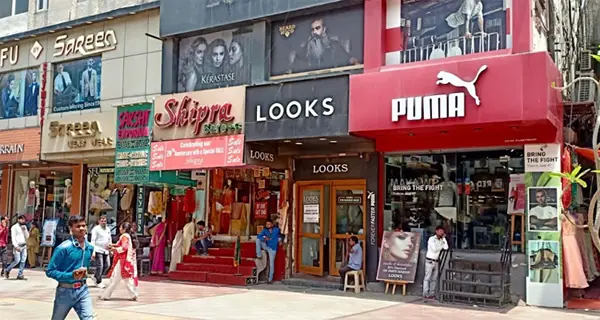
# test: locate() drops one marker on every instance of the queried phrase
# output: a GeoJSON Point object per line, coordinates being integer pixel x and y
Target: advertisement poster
{"type": "Point", "coordinates": [516, 194]}
{"type": "Point", "coordinates": [311, 213]}
{"type": "Point", "coordinates": [49, 233]}
{"type": "Point", "coordinates": [214, 60]}
{"type": "Point", "coordinates": [310, 43]}
{"type": "Point", "coordinates": [399, 256]}
{"type": "Point", "coordinates": [544, 257]}
{"type": "Point", "coordinates": [132, 154]}
{"type": "Point", "coordinates": [19, 93]}
{"type": "Point", "coordinates": [260, 210]}
{"type": "Point", "coordinates": [542, 158]}
{"type": "Point", "coordinates": [543, 209]}
{"type": "Point", "coordinates": [445, 28]}
{"type": "Point", "coordinates": [77, 85]}
{"type": "Point", "coordinates": [223, 151]}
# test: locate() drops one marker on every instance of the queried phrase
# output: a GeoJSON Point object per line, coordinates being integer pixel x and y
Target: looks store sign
{"type": "Point", "coordinates": [198, 114]}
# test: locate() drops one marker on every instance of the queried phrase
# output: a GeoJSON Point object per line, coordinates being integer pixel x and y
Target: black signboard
{"type": "Point", "coordinates": [299, 109]}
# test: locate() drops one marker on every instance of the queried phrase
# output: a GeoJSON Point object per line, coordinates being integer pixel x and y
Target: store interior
{"type": "Point", "coordinates": [465, 192]}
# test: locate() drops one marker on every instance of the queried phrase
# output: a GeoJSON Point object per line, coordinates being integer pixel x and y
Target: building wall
{"type": "Point", "coordinates": [60, 11]}
{"type": "Point", "coordinates": [130, 73]}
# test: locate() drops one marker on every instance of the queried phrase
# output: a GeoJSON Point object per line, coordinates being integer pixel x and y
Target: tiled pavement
{"type": "Point", "coordinates": [32, 300]}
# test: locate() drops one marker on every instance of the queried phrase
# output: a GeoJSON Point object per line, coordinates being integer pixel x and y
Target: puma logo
{"type": "Point", "coordinates": [449, 78]}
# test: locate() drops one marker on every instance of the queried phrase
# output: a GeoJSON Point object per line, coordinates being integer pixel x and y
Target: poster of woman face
{"type": "Point", "coordinates": [399, 256]}
{"type": "Point", "coordinates": [331, 40]}
{"type": "Point", "coordinates": [214, 60]}
{"type": "Point", "coordinates": [19, 93]}
{"type": "Point", "coordinates": [446, 28]}
{"type": "Point", "coordinates": [543, 209]}
{"type": "Point", "coordinates": [544, 266]}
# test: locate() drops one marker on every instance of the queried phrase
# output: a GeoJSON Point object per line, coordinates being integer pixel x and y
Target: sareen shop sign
{"type": "Point", "coordinates": [221, 151]}
{"type": "Point", "coordinates": [199, 114]}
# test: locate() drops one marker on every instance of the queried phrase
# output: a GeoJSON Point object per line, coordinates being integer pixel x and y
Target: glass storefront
{"type": "Point", "coordinates": [106, 198]}
{"type": "Point", "coordinates": [467, 193]}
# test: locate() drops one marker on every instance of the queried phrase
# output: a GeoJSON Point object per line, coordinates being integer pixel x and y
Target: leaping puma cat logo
{"type": "Point", "coordinates": [449, 78]}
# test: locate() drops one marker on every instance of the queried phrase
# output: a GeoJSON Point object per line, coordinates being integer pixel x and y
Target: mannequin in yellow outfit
{"type": "Point", "coordinates": [33, 244]}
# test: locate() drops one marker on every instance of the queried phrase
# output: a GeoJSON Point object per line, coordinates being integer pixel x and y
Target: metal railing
{"type": "Point", "coordinates": [454, 47]}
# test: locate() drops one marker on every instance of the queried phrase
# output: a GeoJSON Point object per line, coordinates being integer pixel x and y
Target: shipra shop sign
{"type": "Point", "coordinates": [132, 156]}
{"type": "Point", "coordinates": [439, 106]}
{"type": "Point", "coordinates": [85, 45]}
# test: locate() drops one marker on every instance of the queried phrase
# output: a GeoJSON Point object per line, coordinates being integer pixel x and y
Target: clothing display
{"type": "Point", "coordinates": [158, 245]}
{"type": "Point", "coordinates": [189, 231]}
{"type": "Point", "coordinates": [573, 265]}
{"type": "Point", "coordinates": [189, 201]}
{"type": "Point", "coordinates": [177, 251]}
{"type": "Point", "coordinates": [155, 203]}
{"type": "Point", "coordinates": [200, 212]}
{"type": "Point", "coordinates": [126, 198]}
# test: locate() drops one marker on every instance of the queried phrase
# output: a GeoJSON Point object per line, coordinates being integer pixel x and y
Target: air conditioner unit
{"type": "Point", "coordinates": [585, 60]}
{"type": "Point", "coordinates": [585, 90]}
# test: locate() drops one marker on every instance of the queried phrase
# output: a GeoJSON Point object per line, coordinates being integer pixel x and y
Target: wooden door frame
{"type": "Point", "coordinates": [332, 183]}
{"type": "Point", "coordinates": [299, 234]}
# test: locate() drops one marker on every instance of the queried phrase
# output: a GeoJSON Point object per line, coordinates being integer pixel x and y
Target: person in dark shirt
{"type": "Point", "coordinates": [68, 266]}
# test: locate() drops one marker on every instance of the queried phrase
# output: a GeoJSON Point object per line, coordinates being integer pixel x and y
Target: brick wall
{"type": "Point", "coordinates": [29, 137]}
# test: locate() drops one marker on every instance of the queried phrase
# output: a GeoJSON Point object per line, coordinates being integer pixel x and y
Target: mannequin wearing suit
{"type": "Point", "coordinates": [89, 82]}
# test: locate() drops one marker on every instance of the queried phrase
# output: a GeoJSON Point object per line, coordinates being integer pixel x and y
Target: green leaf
{"type": "Point", "coordinates": [582, 174]}
{"type": "Point", "coordinates": [544, 179]}
{"type": "Point", "coordinates": [559, 175]}
{"type": "Point", "coordinates": [576, 171]}
{"type": "Point", "coordinates": [582, 183]}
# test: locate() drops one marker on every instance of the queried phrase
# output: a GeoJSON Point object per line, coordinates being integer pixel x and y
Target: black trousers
{"type": "Point", "coordinates": [102, 264]}
{"type": "Point", "coordinates": [343, 271]}
{"type": "Point", "coordinates": [3, 257]}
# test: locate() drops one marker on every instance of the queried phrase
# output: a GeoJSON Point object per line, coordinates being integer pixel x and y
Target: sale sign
{"type": "Point", "coordinates": [202, 153]}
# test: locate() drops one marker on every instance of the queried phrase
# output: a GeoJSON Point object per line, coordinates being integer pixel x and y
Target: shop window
{"type": "Point", "coordinates": [77, 85]}
{"type": "Point", "coordinates": [106, 198]}
{"type": "Point", "coordinates": [19, 93]}
{"type": "Point", "coordinates": [439, 29]}
{"type": "Point", "coordinates": [13, 7]}
{"type": "Point", "coordinates": [466, 193]}
{"type": "Point", "coordinates": [42, 5]}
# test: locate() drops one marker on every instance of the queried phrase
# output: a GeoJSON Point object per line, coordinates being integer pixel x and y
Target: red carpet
{"type": "Point", "coordinates": [590, 304]}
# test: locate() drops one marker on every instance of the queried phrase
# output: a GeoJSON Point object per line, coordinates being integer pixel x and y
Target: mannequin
{"type": "Point", "coordinates": [32, 200]}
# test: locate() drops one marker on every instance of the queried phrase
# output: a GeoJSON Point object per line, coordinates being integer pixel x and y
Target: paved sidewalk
{"type": "Point", "coordinates": [32, 300]}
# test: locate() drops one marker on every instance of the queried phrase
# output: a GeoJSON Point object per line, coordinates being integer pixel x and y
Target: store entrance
{"type": "Point", "coordinates": [330, 212]}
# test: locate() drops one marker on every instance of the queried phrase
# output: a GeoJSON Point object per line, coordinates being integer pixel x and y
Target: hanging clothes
{"type": "Point", "coordinates": [574, 273]}
{"type": "Point", "coordinates": [155, 203]}
{"type": "Point", "coordinates": [189, 201]}
{"type": "Point", "coordinates": [177, 251]}
{"type": "Point", "coordinates": [189, 231]}
{"type": "Point", "coordinates": [199, 213]}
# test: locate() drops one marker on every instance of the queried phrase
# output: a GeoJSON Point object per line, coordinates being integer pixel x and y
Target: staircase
{"type": "Point", "coordinates": [218, 267]}
{"type": "Point", "coordinates": [479, 281]}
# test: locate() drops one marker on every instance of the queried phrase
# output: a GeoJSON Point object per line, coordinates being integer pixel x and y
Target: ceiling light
{"type": "Point", "coordinates": [299, 143]}
{"type": "Point", "coordinates": [287, 141]}
{"type": "Point", "coordinates": [411, 134]}
{"type": "Point", "coordinates": [323, 139]}
{"type": "Point", "coordinates": [25, 164]}
{"type": "Point", "coordinates": [109, 18]}
{"type": "Point", "coordinates": [332, 141]}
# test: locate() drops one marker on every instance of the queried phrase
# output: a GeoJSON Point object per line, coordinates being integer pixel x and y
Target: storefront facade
{"type": "Point", "coordinates": [457, 131]}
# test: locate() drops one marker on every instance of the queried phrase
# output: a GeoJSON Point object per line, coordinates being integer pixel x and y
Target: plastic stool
{"type": "Point", "coordinates": [359, 281]}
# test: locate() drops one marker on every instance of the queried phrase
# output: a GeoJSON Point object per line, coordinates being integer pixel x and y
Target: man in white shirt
{"type": "Point", "coordinates": [101, 238]}
{"type": "Point", "coordinates": [19, 235]}
{"type": "Point", "coordinates": [435, 245]}
{"type": "Point", "coordinates": [543, 216]}
{"type": "Point", "coordinates": [62, 81]}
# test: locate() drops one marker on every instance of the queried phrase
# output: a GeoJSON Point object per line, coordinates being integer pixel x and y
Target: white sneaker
{"type": "Point", "coordinates": [101, 285]}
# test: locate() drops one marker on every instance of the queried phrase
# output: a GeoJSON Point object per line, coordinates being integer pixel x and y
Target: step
{"type": "Point", "coordinates": [230, 252]}
{"type": "Point", "coordinates": [192, 276]}
{"type": "Point", "coordinates": [217, 260]}
{"type": "Point", "coordinates": [472, 283]}
{"type": "Point", "coordinates": [216, 268]}
{"type": "Point", "coordinates": [494, 296]}
{"type": "Point", "coordinates": [230, 279]}
{"type": "Point", "coordinates": [487, 273]}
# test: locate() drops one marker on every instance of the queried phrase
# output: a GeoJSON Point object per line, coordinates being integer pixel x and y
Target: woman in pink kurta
{"type": "Point", "coordinates": [158, 244]}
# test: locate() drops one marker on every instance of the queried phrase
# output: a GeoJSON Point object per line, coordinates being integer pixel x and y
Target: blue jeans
{"type": "Point", "coordinates": [261, 245]}
{"type": "Point", "coordinates": [203, 245]}
{"type": "Point", "coordinates": [19, 258]}
{"type": "Point", "coordinates": [78, 299]}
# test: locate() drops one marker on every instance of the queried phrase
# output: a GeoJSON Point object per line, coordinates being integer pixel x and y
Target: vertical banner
{"type": "Point", "coordinates": [139, 210]}
{"type": "Point", "coordinates": [543, 225]}
{"type": "Point", "coordinates": [132, 155]}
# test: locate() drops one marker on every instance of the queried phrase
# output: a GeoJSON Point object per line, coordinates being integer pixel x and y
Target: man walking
{"type": "Point", "coordinates": [268, 239]}
{"type": "Point", "coordinates": [19, 235]}
{"type": "Point", "coordinates": [68, 266]}
{"type": "Point", "coordinates": [435, 245]}
{"type": "Point", "coordinates": [3, 244]}
{"type": "Point", "coordinates": [355, 259]}
{"type": "Point", "coordinates": [101, 238]}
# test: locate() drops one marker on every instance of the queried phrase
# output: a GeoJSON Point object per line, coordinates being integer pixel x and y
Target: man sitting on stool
{"type": "Point", "coordinates": [355, 259]}
{"type": "Point", "coordinates": [268, 239]}
{"type": "Point", "coordinates": [203, 240]}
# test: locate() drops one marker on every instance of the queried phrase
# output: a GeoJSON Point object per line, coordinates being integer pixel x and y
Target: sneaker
{"type": "Point", "coordinates": [101, 285]}
{"type": "Point", "coordinates": [204, 254]}
{"type": "Point", "coordinates": [21, 278]}
{"type": "Point", "coordinates": [7, 275]}
{"type": "Point", "coordinates": [134, 298]}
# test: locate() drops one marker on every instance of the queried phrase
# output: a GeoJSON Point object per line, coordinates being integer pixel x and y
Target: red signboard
{"type": "Point", "coordinates": [202, 153]}
{"type": "Point", "coordinates": [260, 210]}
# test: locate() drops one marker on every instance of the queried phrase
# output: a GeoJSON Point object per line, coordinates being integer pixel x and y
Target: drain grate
{"type": "Point", "coordinates": [6, 304]}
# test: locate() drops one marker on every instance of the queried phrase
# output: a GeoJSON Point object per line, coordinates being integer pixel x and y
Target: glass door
{"type": "Point", "coordinates": [312, 231]}
{"type": "Point", "coordinates": [348, 202]}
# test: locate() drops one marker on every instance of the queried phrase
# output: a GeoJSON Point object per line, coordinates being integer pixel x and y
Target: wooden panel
{"type": "Point", "coordinates": [4, 191]}
{"type": "Point", "coordinates": [77, 192]}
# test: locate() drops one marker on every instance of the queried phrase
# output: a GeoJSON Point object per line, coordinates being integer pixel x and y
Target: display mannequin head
{"type": "Point", "coordinates": [229, 182]}
{"type": "Point", "coordinates": [31, 184]}
{"type": "Point", "coordinates": [68, 182]}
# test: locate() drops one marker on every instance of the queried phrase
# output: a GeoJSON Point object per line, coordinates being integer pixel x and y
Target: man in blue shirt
{"type": "Point", "coordinates": [68, 266]}
{"type": "Point", "coordinates": [268, 240]}
{"type": "Point", "coordinates": [355, 259]}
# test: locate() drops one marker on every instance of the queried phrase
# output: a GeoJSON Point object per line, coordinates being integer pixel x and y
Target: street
{"type": "Point", "coordinates": [32, 300]}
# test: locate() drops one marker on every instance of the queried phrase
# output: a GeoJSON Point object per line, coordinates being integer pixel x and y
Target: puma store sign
{"type": "Point", "coordinates": [440, 106]}
{"type": "Point", "coordinates": [297, 109]}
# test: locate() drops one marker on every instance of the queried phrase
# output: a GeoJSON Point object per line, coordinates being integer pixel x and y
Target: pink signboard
{"type": "Point", "coordinates": [201, 153]}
